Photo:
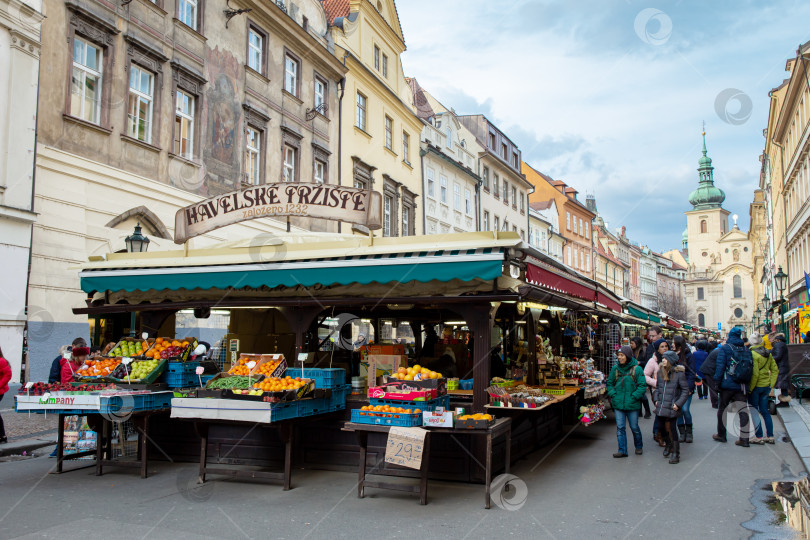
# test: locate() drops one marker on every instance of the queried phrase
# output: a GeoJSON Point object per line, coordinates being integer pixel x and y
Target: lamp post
{"type": "Point", "coordinates": [136, 242]}
{"type": "Point", "coordinates": [781, 284]}
{"type": "Point", "coordinates": [766, 308]}
{"type": "Point", "coordinates": [757, 315]}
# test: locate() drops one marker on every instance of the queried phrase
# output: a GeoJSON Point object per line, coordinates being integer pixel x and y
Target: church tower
{"type": "Point", "coordinates": [707, 222]}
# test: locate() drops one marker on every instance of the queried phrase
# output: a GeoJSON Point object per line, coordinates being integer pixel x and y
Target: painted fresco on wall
{"type": "Point", "coordinates": [223, 118]}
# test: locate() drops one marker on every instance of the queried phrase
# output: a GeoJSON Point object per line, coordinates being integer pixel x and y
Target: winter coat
{"type": "Point", "coordinates": [650, 371]}
{"type": "Point", "coordinates": [700, 357]}
{"type": "Point", "coordinates": [691, 374]}
{"type": "Point", "coordinates": [56, 370]}
{"type": "Point", "coordinates": [710, 364]}
{"type": "Point", "coordinates": [724, 359]}
{"type": "Point", "coordinates": [675, 390]}
{"type": "Point", "coordinates": [624, 393]}
{"type": "Point", "coordinates": [5, 375]}
{"type": "Point", "coordinates": [765, 369]}
{"type": "Point", "coordinates": [649, 352]}
{"type": "Point", "coordinates": [69, 367]}
{"type": "Point", "coordinates": [780, 355]}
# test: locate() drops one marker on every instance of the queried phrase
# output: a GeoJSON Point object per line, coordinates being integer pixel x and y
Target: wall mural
{"type": "Point", "coordinates": [223, 119]}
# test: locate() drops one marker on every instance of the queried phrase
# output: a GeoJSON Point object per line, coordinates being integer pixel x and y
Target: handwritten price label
{"type": "Point", "coordinates": [405, 446]}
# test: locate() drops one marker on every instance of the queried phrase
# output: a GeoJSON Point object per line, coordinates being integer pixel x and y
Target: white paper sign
{"type": "Point", "coordinates": [56, 402]}
{"type": "Point", "coordinates": [405, 446]}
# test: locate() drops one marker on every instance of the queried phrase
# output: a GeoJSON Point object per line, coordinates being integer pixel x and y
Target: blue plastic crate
{"type": "Point", "coordinates": [285, 411]}
{"type": "Point", "coordinates": [179, 380]}
{"type": "Point", "coordinates": [338, 400]}
{"type": "Point", "coordinates": [324, 378]}
{"type": "Point", "coordinates": [137, 402]}
{"type": "Point", "coordinates": [183, 367]}
{"type": "Point", "coordinates": [431, 405]}
{"type": "Point", "coordinates": [386, 419]}
{"type": "Point", "coordinates": [311, 407]}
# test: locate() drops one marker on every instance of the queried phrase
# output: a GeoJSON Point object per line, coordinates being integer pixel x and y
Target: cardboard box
{"type": "Point", "coordinates": [381, 365]}
{"type": "Point", "coordinates": [394, 349]}
{"type": "Point", "coordinates": [439, 385]}
{"type": "Point", "coordinates": [391, 392]}
{"type": "Point", "coordinates": [437, 418]}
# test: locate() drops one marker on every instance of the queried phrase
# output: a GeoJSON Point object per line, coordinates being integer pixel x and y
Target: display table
{"type": "Point", "coordinates": [502, 426]}
{"type": "Point", "coordinates": [104, 442]}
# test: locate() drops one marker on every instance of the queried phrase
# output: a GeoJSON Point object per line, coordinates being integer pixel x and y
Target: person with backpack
{"type": "Point", "coordinates": [637, 345]}
{"type": "Point", "coordinates": [686, 360]}
{"type": "Point", "coordinates": [762, 381]}
{"type": "Point", "coordinates": [626, 386]}
{"type": "Point", "coordinates": [707, 371]}
{"type": "Point", "coordinates": [670, 395]}
{"type": "Point", "coordinates": [735, 366]}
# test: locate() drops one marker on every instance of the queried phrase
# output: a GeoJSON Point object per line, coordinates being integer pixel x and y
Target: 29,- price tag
{"type": "Point", "coordinates": [405, 446]}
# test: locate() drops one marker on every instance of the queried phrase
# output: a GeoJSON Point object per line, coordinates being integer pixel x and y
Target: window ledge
{"type": "Point", "coordinates": [155, 7]}
{"type": "Point", "coordinates": [85, 123]}
{"type": "Point", "coordinates": [185, 160]}
{"type": "Point", "coordinates": [486, 189]}
{"type": "Point", "coordinates": [253, 72]}
{"type": "Point", "coordinates": [407, 164]}
{"type": "Point", "coordinates": [143, 144]}
{"type": "Point", "coordinates": [390, 151]}
{"type": "Point", "coordinates": [196, 33]}
{"type": "Point", "coordinates": [292, 96]}
{"type": "Point", "coordinates": [362, 131]}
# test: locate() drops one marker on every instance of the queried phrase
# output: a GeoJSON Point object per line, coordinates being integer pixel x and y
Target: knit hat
{"type": "Point", "coordinates": [627, 352]}
{"type": "Point", "coordinates": [657, 344]}
{"type": "Point", "coordinates": [754, 339]}
{"type": "Point", "coordinates": [766, 342]}
{"type": "Point", "coordinates": [672, 357]}
{"type": "Point", "coordinates": [736, 331]}
{"type": "Point", "coordinates": [80, 351]}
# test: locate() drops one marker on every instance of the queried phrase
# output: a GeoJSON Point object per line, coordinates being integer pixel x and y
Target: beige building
{"type": "Point", "coordinates": [380, 129]}
{"type": "Point", "coordinates": [758, 235]}
{"type": "Point", "coordinates": [20, 47]}
{"type": "Point", "coordinates": [153, 106]}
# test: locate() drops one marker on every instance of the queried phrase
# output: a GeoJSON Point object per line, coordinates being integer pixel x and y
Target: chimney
{"type": "Point", "coordinates": [623, 230]}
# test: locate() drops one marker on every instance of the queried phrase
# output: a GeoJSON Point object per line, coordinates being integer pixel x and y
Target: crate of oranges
{"type": "Point", "coordinates": [269, 365]}
{"type": "Point", "coordinates": [171, 349]}
{"type": "Point", "coordinates": [387, 415]}
{"type": "Point", "coordinates": [286, 389]}
{"type": "Point", "coordinates": [92, 370]}
{"type": "Point", "coordinates": [475, 421]}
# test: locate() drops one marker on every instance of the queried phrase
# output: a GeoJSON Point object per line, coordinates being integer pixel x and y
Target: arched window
{"type": "Point", "coordinates": [737, 287]}
{"type": "Point", "coordinates": [703, 226]}
{"type": "Point", "coordinates": [701, 320]}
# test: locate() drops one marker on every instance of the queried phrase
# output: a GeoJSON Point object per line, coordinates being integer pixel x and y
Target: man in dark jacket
{"type": "Point", "coordinates": [780, 356]}
{"type": "Point", "coordinates": [653, 335]}
{"type": "Point", "coordinates": [707, 371]}
{"type": "Point", "coordinates": [729, 390]}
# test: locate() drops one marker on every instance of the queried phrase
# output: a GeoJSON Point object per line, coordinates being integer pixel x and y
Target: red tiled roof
{"type": "Point", "coordinates": [335, 9]}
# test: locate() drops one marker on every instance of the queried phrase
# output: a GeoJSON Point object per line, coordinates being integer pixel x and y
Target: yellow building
{"type": "Point", "coordinates": [758, 236]}
{"type": "Point", "coordinates": [380, 130]}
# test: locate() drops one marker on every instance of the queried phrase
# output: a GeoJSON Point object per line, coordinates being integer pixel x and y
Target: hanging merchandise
{"type": "Point", "coordinates": [589, 414]}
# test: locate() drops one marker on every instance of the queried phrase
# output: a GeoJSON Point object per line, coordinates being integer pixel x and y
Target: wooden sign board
{"type": "Point", "coordinates": [324, 201]}
{"type": "Point", "coordinates": [405, 447]}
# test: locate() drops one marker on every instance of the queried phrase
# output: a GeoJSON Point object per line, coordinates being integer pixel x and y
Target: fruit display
{"type": "Point", "coordinates": [266, 368]}
{"type": "Point", "coordinates": [478, 416]}
{"type": "Point", "coordinates": [415, 373]}
{"type": "Point", "coordinates": [230, 383]}
{"type": "Point", "coordinates": [274, 384]}
{"type": "Point", "coordinates": [389, 409]}
{"type": "Point", "coordinates": [130, 348]}
{"type": "Point", "coordinates": [97, 368]}
{"type": "Point", "coordinates": [40, 388]}
{"type": "Point", "coordinates": [169, 348]}
{"type": "Point", "coordinates": [140, 370]}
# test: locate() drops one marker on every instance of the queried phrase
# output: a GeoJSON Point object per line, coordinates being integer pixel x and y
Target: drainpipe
{"type": "Point", "coordinates": [424, 187]}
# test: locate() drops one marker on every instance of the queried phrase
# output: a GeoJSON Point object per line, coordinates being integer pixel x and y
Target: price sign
{"type": "Point", "coordinates": [199, 370]}
{"type": "Point", "coordinates": [29, 384]}
{"type": "Point", "coordinates": [405, 446]}
{"type": "Point", "coordinates": [126, 361]}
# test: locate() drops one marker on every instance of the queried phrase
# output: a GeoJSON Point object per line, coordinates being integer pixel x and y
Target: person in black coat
{"type": "Point", "coordinates": [685, 359]}
{"type": "Point", "coordinates": [707, 371]}
{"type": "Point", "coordinates": [780, 356]}
{"type": "Point", "coordinates": [653, 334]}
{"type": "Point", "coordinates": [671, 392]}
{"type": "Point", "coordinates": [639, 350]}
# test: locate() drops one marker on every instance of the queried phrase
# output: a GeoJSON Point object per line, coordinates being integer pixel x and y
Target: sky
{"type": "Point", "coordinates": [610, 95]}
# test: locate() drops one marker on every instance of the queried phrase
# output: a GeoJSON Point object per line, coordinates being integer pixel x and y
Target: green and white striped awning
{"type": "Point", "coordinates": [424, 266]}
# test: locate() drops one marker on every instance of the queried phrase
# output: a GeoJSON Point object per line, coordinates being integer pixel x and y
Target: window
{"type": "Point", "coordinates": [503, 151]}
{"type": "Point", "coordinates": [505, 192]}
{"type": "Point", "coordinates": [588, 263]}
{"type": "Point", "coordinates": [406, 213]}
{"type": "Point", "coordinates": [587, 232]}
{"type": "Point", "coordinates": [568, 220]}
{"type": "Point", "coordinates": [738, 313]}
{"type": "Point", "coordinates": [515, 161]}
{"type": "Point", "coordinates": [522, 202]}
{"type": "Point", "coordinates": [703, 226]}
{"type": "Point", "coordinates": [253, 148]}
{"type": "Point", "coordinates": [576, 258]}
{"type": "Point", "coordinates": [456, 197]}
{"type": "Point", "coordinates": [388, 203]}
{"type": "Point", "coordinates": [385, 65]}
{"type": "Point", "coordinates": [737, 287]}
{"type": "Point", "coordinates": [448, 140]}
{"type": "Point", "coordinates": [320, 172]}
{"type": "Point", "coordinates": [514, 228]}
{"type": "Point", "coordinates": [376, 58]}
{"type": "Point", "coordinates": [443, 187]}
{"type": "Point", "coordinates": [290, 163]}
{"type": "Point", "coordinates": [701, 319]}
{"type": "Point", "coordinates": [467, 202]}
{"type": "Point", "coordinates": [581, 229]}
{"type": "Point", "coordinates": [360, 120]}
{"type": "Point", "coordinates": [256, 49]}
{"type": "Point", "coordinates": [184, 125]}
{"type": "Point", "coordinates": [575, 224]}
{"type": "Point", "coordinates": [139, 109]}
{"type": "Point", "coordinates": [320, 96]}
{"type": "Point", "coordinates": [491, 141]}
{"type": "Point", "coordinates": [430, 182]}
{"type": "Point", "coordinates": [496, 185]}
{"type": "Point", "coordinates": [86, 79]}
{"type": "Point", "coordinates": [700, 293]}
{"type": "Point", "coordinates": [389, 127]}
{"type": "Point", "coordinates": [406, 147]}
{"type": "Point", "coordinates": [187, 13]}
{"type": "Point", "coordinates": [291, 68]}
{"type": "Point", "coordinates": [514, 196]}
{"type": "Point", "coordinates": [486, 178]}
{"type": "Point", "coordinates": [486, 221]}
{"type": "Point", "coordinates": [568, 253]}
{"type": "Point", "coordinates": [497, 224]}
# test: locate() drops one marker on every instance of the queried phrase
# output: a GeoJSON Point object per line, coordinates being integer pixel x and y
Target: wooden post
{"type": "Point", "coordinates": [478, 319]}
{"type": "Point", "coordinates": [531, 336]}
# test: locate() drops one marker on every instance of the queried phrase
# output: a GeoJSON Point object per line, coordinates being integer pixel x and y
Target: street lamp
{"type": "Point", "coordinates": [781, 284]}
{"type": "Point", "coordinates": [136, 242]}
{"type": "Point", "coordinates": [757, 315]}
{"type": "Point", "coordinates": [766, 308]}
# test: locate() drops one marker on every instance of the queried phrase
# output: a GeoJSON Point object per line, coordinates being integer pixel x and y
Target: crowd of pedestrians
{"type": "Point", "coordinates": [660, 377]}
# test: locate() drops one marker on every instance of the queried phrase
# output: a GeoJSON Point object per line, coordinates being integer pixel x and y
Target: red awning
{"type": "Point", "coordinates": [673, 323]}
{"type": "Point", "coordinates": [556, 282]}
{"type": "Point", "coordinates": [605, 300]}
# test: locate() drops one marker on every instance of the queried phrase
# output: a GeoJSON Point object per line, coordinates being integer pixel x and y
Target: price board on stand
{"type": "Point", "coordinates": [405, 447]}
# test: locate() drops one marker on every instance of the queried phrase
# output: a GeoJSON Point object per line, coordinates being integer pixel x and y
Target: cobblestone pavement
{"type": "Point", "coordinates": [24, 426]}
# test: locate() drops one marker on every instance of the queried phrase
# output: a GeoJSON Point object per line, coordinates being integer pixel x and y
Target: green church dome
{"type": "Point", "coordinates": [685, 235]}
{"type": "Point", "coordinates": [707, 195]}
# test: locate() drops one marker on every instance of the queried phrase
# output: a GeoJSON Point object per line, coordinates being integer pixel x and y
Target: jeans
{"type": "Point", "coordinates": [702, 389]}
{"type": "Point", "coordinates": [686, 416]}
{"type": "Point", "coordinates": [630, 417]}
{"type": "Point", "coordinates": [759, 400]}
{"type": "Point", "coordinates": [726, 398]}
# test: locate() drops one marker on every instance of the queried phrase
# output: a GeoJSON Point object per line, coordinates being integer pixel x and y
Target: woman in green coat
{"type": "Point", "coordinates": [625, 389]}
{"type": "Point", "coordinates": [763, 380]}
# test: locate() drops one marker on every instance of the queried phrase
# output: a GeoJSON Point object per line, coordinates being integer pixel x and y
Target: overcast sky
{"type": "Point", "coordinates": [609, 95]}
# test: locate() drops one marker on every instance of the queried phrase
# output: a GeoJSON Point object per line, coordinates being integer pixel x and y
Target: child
{"type": "Point", "coordinates": [71, 362]}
